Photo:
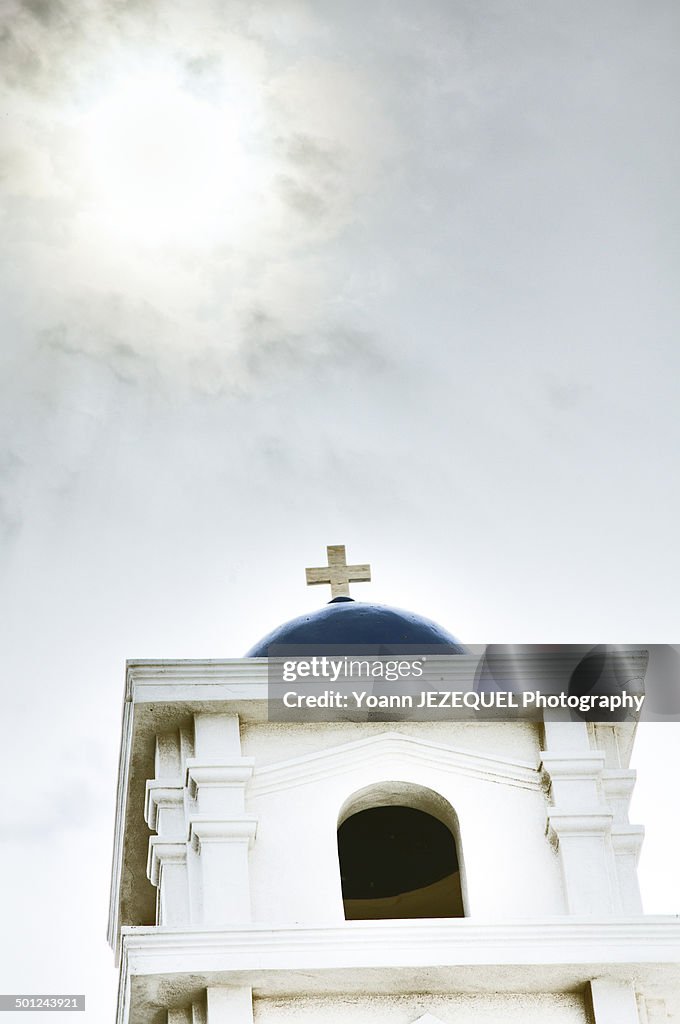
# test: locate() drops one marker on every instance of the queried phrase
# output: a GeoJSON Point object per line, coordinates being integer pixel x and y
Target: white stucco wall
{"type": "Point", "coordinates": [237, 819]}
{"type": "Point", "coordinates": [454, 1009]}
{"type": "Point", "coordinates": [275, 741]}
{"type": "Point", "coordinates": [509, 868]}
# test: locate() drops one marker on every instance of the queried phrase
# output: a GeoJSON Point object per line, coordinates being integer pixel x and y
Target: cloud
{"type": "Point", "coordinates": [75, 806]}
{"type": "Point", "coordinates": [11, 467]}
{"type": "Point", "coordinates": [338, 141]}
{"type": "Point", "coordinates": [271, 354]}
{"type": "Point", "coordinates": [217, 313]}
{"type": "Point", "coordinates": [430, 315]}
{"type": "Point", "coordinates": [434, 201]}
{"type": "Point", "coordinates": [39, 41]}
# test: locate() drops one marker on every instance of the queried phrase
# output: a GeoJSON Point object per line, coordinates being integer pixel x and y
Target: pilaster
{"type": "Point", "coordinates": [580, 822]}
{"type": "Point", "coordinates": [198, 860]}
{"type": "Point", "coordinates": [220, 833]}
{"type": "Point", "coordinates": [167, 870]}
{"type": "Point", "coordinates": [164, 813]}
{"type": "Point", "coordinates": [233, 1005]}
{"type": "Point", "coordinates": [626, 839]}
{"type": "Point", "coordinates": [613, 1002]}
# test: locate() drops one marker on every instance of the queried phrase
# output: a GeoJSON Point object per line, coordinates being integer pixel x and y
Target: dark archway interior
{"type": "Point", "coordinates": [398, 862]}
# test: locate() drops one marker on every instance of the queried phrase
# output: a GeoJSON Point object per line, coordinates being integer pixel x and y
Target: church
{"type": "Point", "coordinates": [386, 870]}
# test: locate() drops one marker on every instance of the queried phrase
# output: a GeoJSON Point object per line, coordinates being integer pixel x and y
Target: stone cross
{"type": "Point", "coordinates": [338, 573]}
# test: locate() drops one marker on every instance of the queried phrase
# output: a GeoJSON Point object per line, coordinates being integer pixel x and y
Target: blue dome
{"type": "Point", "coordinates": [366, 628]}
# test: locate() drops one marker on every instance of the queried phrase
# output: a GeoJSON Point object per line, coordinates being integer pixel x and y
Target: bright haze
{"type": "Point", "coordinates": [395, 275]}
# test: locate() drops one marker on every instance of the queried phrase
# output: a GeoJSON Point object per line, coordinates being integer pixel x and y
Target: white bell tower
{"type": "Point", "coordinates": [239, 893]}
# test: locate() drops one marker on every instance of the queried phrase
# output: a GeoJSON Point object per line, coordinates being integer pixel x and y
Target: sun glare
{"type": "Point", "coordinates": [163, 163]}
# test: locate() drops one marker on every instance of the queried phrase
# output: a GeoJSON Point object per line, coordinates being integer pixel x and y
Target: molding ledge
{"type": "Point", "coordinates": [221, 830]}
{"type": "Point", "coordinates": [553, 954]}
{"type": "Point", "coordinates": [571, 939]}
{"type": "Point", "coordinates": [164, 851]}
{"type": "Point", "coordinates": [564, 823]}
{"type": "Point", "coordinates": [217, 774]}
{"type": "Point", "coordinates": [315, 767]}
{"type": "Point", "coordinates": [160, 793]}
{"type": "Point", "coordinates": [628, 839]}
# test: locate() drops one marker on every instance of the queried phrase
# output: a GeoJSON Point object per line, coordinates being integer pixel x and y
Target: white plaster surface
{"type": "Point", "coordinates": [276, 741]}
{"type": "Point", "coordinates": [510, 868]}
{"type": "Point", "coordinates": [245, 863]}
{"type": "Point", "coordinates": [407, 1009]}
{"type": "Point", "coordinates": [613, 1002]}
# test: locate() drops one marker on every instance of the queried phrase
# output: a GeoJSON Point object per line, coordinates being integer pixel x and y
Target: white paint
{"type": "Point", "coordinates": [245, 865]}
{"type": "Point", "coordinates": [613, 1002]}
{"type": "Point", "coordinates": [458, 1009]}
{"type": "Point", "coordinates": [230, 1005]}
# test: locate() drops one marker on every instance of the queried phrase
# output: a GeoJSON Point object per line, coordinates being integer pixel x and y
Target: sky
{"type": "Point", "coordinates": [278, 275]}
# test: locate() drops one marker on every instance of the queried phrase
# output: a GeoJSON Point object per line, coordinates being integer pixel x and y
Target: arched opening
{"type": "Point", "coordinates": [397, 859]}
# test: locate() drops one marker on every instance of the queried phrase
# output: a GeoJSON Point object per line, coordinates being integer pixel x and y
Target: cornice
{"type": "Point", "coordinates": [119, 826]}
{"type": "Point", "coordinates": [571, 939]}
{"type": "Point", "coordinates": [160, 793]}
{"type": "Point", "coordinates": [550, 954]}
{"type": "Point", "coordinates": [217, 774]}
{"type": "Point", "coordinates": [619, 783]}
{"type": "Point", "coordinates": [164, 851]}
{"type": "Point", "coordinates": [577, 765]}
{"type": "Point", "coordinates": [628, 839]}
{"type": "Point", "coordinates": [566, 822]}
{"type": "Point", "coordinates": [223, 673]}
{"type": "Point", "coordinates": [207, 829]}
